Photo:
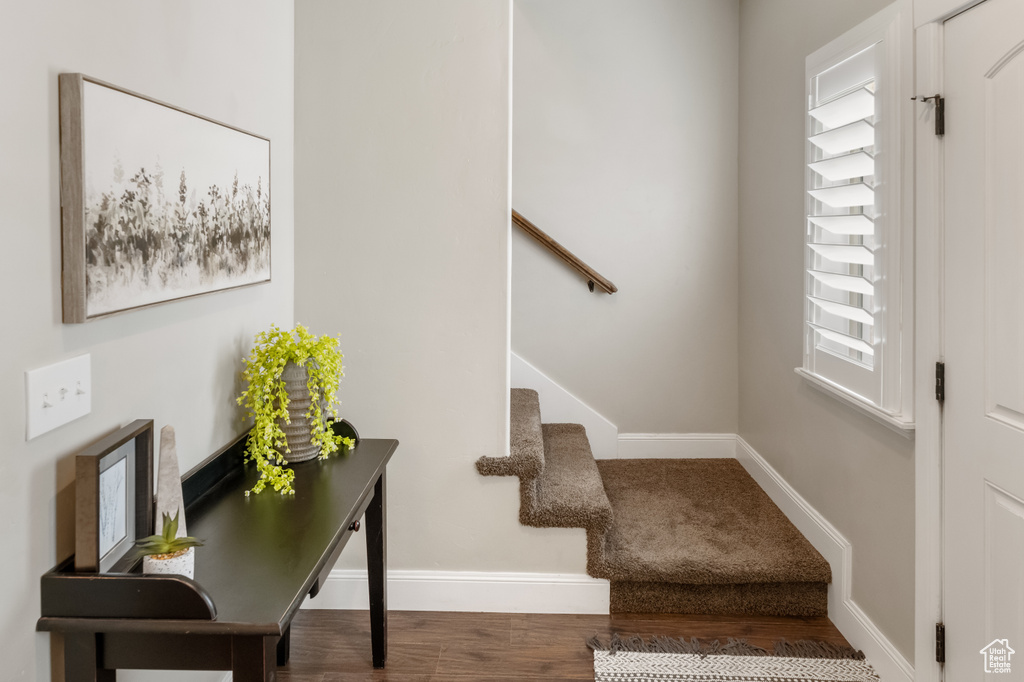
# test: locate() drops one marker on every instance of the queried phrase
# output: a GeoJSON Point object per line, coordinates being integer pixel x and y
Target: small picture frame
{"type": "Point", "coordinates": [114, 498]}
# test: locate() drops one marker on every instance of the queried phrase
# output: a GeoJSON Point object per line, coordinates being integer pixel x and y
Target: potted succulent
{"type": "Point", "coordinates": [167, 553]}
{"type": "Point", "coordinates": [292, 384]}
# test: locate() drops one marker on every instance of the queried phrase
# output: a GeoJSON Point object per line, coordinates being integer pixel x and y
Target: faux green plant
{"type": "Point", "coordinates": [266, 400]}
{"type": "Point", "coordinates": [166, 542]}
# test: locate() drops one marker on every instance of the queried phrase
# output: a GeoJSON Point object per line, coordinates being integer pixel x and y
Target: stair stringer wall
{"type": "Point", "coordinates": [560, 406]}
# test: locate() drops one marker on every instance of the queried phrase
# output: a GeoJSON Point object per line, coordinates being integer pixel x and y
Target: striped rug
{"type": "Point", "coordinates": [663, 659]}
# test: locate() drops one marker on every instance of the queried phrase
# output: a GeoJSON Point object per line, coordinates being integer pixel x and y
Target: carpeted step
{"type": "Point", "coordinates": [569, 492]}
{"type": "Point", "coordinates": [526, 440]}
{"type": "Point", "coordinates": [700, 536]}
{"type": "Point", "coordinates": [559, 483]}
{"type": "Point", "coordinates": [751, 599]}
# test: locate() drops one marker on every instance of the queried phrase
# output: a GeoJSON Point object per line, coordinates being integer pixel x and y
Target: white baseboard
{"type": "Point", "coordinates": [557, 405]}
{"type": "Point", "coordinates": [855, 625]}
{"type": "Point", "coordinates": [469, 591]}
{"type": "Point", "coordinates": [676, 446]}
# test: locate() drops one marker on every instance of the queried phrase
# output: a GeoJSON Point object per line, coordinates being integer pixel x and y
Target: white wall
{"type": "Point", "coordinates": [175, 363]}
{"type": "Point", "coordinates": [402, 247]}
{"type": "Point", "coordinates": [856, 472]}
{"type": "Point", "coordinates": [625, 151]}
{"type": "Point", "coordinates": [560, 406]}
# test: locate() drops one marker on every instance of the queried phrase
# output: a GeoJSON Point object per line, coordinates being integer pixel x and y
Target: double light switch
{"type": "Point", "coordinates": [57, 394]}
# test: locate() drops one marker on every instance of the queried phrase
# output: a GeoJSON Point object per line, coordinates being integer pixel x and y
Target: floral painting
{"type": "Point", "coordinates": [172, 204]}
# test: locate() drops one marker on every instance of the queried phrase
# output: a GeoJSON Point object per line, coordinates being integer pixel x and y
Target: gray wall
{"type": "Point", "coordinates": [625, 151]}
{"type": "Point", "coordinates": [856, 472]}
{"type": "Point", "coordinates": [176, 363]}
{"type": "Point", "coordinates": [402, 203]}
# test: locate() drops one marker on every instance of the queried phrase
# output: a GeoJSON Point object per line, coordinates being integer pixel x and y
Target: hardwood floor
{"type": "Point", "coordinates": [334, 646]}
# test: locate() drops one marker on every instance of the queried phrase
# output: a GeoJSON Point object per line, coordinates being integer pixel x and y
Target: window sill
{"type": "Point", "coordinates": [897, 423]}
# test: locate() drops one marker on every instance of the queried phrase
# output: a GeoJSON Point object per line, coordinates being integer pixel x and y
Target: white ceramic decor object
{"type": "Point", "coordinates": [168, 484]}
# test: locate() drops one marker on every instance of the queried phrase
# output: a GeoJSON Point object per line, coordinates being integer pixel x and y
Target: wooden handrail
{"type": "Point", "coordinates": [593, 279]}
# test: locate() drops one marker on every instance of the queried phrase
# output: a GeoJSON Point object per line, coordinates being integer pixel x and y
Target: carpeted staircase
{"type": "Point", "coordinates": [671, 535]}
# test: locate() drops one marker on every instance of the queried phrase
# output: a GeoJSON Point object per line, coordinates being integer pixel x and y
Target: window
{"type": "Point", "coordinates": [857, 321]}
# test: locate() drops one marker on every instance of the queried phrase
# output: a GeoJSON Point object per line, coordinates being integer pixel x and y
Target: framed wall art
{"type": "Point", "coordinates": [157, 203]}
{"type": "Point", "coordinates": [114, 498]}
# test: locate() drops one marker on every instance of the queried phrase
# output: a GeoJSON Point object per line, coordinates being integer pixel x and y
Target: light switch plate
{"type": "Point", "coordinates": [57, 394]}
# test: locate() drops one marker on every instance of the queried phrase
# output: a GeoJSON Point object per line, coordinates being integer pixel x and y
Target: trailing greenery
{"type": "Point", "coordinates": [166, 543]}
{"type": "Point", "coordinates": [266, 399]}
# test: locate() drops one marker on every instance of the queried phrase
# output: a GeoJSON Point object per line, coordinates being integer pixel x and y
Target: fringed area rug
{"type": "Point", "coordinates": [663, 659]}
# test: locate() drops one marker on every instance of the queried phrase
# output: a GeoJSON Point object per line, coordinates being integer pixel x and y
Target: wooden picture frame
{"type": "Point", "coordinates": [157, 203]}
{"type": "Point", "coordinates": [114, 498]}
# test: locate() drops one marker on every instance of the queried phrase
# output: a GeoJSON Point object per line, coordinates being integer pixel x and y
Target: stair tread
{"type": "Point", "coordinates": [526, 441]}
{"type": "Point", "coordinates": [701, 522]}
{"type": "Point", "coordinates": [570, 493]}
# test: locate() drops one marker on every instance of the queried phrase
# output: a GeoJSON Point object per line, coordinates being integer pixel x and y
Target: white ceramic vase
{"type": "Point", "coordinates": [181, 564]}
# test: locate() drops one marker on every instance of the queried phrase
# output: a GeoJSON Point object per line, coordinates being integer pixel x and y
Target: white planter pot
{"type": "Point", "coordinates": [181, 564]}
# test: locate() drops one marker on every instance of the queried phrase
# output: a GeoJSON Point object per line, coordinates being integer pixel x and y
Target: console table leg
{"type": "Point", "coordinates": [81, 659]}
{"type": "Point", "coordinates": [254, 659]}
{"type": "Point", "coordinates": [377, 568]}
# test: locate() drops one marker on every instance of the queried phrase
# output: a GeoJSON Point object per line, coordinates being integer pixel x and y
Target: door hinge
{"type": "Point", "coordinates": [940, 381]}
{"type": "Point", "coordinates": [940, 111]}
{"type": "Point", "coordinates": [940, 643]}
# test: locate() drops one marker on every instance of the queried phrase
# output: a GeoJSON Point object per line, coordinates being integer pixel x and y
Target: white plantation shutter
{"type": "Point", "coordinates": [841, 185]}
{"type": "Point", "coordinates": [853, 329]}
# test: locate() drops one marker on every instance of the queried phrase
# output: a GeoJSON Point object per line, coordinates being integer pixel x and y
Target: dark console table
{"type": "Point", "coordinates": [263, 554]}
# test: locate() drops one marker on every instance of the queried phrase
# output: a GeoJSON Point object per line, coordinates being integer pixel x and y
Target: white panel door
{"type": "Point", "coordinates": [983, 418]}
